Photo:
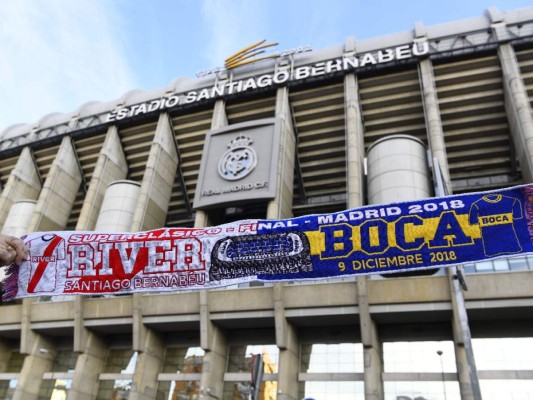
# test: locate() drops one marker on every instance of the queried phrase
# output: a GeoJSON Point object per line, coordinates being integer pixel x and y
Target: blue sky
{"type": "Point", "coordinates": [56, 55]}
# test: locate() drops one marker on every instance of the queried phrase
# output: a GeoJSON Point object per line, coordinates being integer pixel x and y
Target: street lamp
{"type": "Point", "coordinates": [439, 352]}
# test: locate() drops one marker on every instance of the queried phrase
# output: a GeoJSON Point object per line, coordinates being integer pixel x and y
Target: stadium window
{"type": "Point", "coordinates": [116, 379]}
{"type": "Point", "coordinates": [331, 371]}
{"type": "Point", "coordinates": [420, 370]}
{"type": "Point", "coordinates": [505, 367]}
{"type": "Point", "coordinates": [57, 383]}
{"type": "Point", "coordinates": [10, 374]}
{"type": "Point", "coordinates": [237, 379]}
{"type": "Point", "coordinates": [173, 384]}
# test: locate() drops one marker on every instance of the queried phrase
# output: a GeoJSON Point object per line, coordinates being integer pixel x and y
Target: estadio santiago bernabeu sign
{"type": "Point", "coordinates": [283, 76]}
{"type": "Point", "coordinates": [397, 237]}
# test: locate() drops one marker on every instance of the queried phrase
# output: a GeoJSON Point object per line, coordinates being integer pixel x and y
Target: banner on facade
{"type": "Point", "coordinates": [390, 238]}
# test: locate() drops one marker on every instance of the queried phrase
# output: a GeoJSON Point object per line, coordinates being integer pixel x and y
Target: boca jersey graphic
{"type": "Point", "coordinates": [377, 239]}
{"type": "Point", "coordinates": [496, 215]}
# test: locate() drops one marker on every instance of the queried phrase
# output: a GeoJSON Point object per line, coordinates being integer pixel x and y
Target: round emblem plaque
{"type": "Point", "coordinates": [238, 161]}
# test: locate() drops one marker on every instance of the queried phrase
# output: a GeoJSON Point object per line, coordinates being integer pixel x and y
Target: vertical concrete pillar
{"type": "Point", "coordinates": [355, 145]}
{"type": "Point", "coordinates": [278, 208]}
{"type": "Point", "coordinates": [212, 339]}
{"type": "Point", "coordinates": [288, 344]}
{"type": "Point", "coordinates": [148, 366]}
{"type": "Point", "coordinates": [24, 183]}
{"type": "Point", "coordinates": [373, 363]}
{"type": "Point", "coordinates": [150, 213]}
{"type": "Point", "coordinates": [110, 166]}
{"type": "Point", "coordinates": [89, 365]}
{"type": "Point", "coordinates": [215, 345]}
{"type": "Point", "coordinates": [518, 108]}
{"type": "Point", "coordinates": [59, 192]}
{"type": "Point", "coordinates": [435, 133]}
{"type": "Point", "coordinates": [281, 206]}
{"type": "Point", "coordinates": [461, 361]}
{"type": "Point", "coordinates": [39, 360]}
{"type": "Point", "coordinates": [156, 187]}
{"type": "Point", "coordinates": [218, 120]}
{"type": "Point", "coordinates": [372, 350]}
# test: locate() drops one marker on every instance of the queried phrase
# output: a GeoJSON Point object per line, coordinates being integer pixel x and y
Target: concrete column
{"type": "Point", "coordinates": [89, 365]}
{"type": "Point", "coordinates": [461, 361]}
{"type": "Point", "coordinates": [59, 192]}
{"type": "Point", "coordinates": [373, 363]}
{"type": "Point", "coordinates": [214, 343]}
{"type": "Point", "coordinates": [24, 183]}
{"type": "Point", "coordinates": [281, 206]}
{"type": "Point", "coordinates": [435, 133]}
{"type": "Point", "coordinates": [149, 364]}
{"type": "Point", "coordinates": [218, 120]}
{"type": "Point", "coordinates": [212, 339]}
{"type": "Point", "coordinates": [278, 208]}
{"type": "Point", "coordinates": [39, 360]}
{"type": "Point", "coordinates": [372, 351]}
{"type": "Point", "coordinates": [355, 144]}
{"type": "Point", "coordinates": [518, 108]}
{"type": "Point", "coordinates": [156, 187]}
{"type": "Point", "coordinates": [111, 166]}
{"type": "Point", "coordinates": [201, 219]}
{"type": "Point", "coordinates": [288, 344]}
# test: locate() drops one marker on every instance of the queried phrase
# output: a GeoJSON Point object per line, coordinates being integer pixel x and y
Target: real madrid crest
{"type": "Point", "coordinates": [239, 160]}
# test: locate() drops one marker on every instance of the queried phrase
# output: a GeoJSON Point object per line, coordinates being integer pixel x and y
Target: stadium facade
{"type": "Point", "coordinates": [457, 95]}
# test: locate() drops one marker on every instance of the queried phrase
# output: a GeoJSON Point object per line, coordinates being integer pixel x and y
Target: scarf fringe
{"type": "Point", "coordinates": [10, 283]}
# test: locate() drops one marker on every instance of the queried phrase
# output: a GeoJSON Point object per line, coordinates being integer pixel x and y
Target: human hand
{"type": "Point", "coordinates": [12, 249]}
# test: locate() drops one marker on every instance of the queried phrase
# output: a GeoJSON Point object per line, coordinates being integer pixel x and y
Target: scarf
{"type": "Point", "coordinates": [377, 239]}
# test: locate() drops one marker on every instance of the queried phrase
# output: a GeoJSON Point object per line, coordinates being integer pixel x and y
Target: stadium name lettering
{"type": "Point", "coordinates": [342, 64]}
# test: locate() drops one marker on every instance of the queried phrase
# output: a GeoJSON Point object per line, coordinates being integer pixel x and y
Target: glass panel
{"type": "Point", "coordinates": [118, 361]}
{"type": "Point", "coordinates": [57, 389]}
{"type": "Point", "coordinates": [495, 389]}
{"type": "Point", "coordinates": [178, 390]}
{"type": "Point", "coordinates": [530, 261]}
{"type": "Point", "coordinates": [241, 391]}
{"type": "Point", "coordinates": [180, 360]}
{"type": "Point", "coordinates": [469, 268]}
{"type": "Point", "coordinates": [485, 266]}
{"type": "Point", "coordinates": [114, 390]}
{"type": "Point", "coordinates": [427, 390]}
{"type": "Point", "coordinates": [518, 264]}
{"type": "Point", "coordinates": [503, 353]}
{"type": "Point", "coordinates": [7, 389]}
{"type": "Point", "coordinates": [15, 362]}
{"type": "Point", "coordinates": [65, 361]}
{"type": "Point", "coordinates": [342, 357]}
{"type": "Point", "coordinates": [240, 358]}
{"type": "Point", "coordinates": [332, 390]}
{"type": "Point", "coordinates": [54, 389]}
{"type": "Point", "coordinates": [501, 265]}
{"type": "Point", "coordinates": [419, 356]}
